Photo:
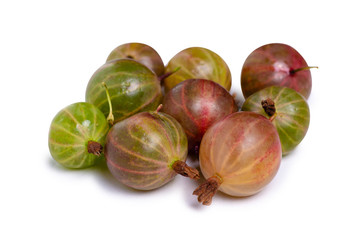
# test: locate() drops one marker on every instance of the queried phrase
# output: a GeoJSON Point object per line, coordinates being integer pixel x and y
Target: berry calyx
{"type": "Point", "coordinates": [94, 148]}
{"type": "Point", "coordinates": [207, 190]}
{"type": "Point", "coordinates": [183, 169]}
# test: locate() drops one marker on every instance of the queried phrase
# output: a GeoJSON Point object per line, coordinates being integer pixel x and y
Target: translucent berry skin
{"type": "Point", "coordinates": [273, 65]}
{"type": "Point", "coordinates": [292, 114]}
{"type": "Point", "coordinates": [242, 150]}
{"type": "Point", "coordinates": [71, 130]}
{"type": "Point", "coordinates": [132, 88]}
{"type": "Point", "coordinates": [141, 53]}
{"type": "Point", "coordinates": [197, 62]}
{"type": "Point", "coordinates": [197, 104]}
{"type": "Point", "coordinates": [140, 150]}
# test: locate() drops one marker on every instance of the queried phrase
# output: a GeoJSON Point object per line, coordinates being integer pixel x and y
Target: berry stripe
{"type": "Point", "coordinates": [80, 128]}
{"type": "Point", "coordinates": [94, 124]}
{"type": "Point", "coordinates": [159, 179]}
{"type": "Point", "coordinates": [252, 163]}
{"type": "Point", "coordinates": [120, 95]}
{"type": "Point", "coordinates": [192, 118]}
{"type": "Point", "coordinates": [145, 143]}
{"type": "Point", "coordinates": [296, 124]}
{"type": "Point", "coordinates": [237, 142]}
{"type": "Point", "coordinates": [74, 156]}
{"type": "Point", "coordinates": [140, 107]}
{"type": "Point", "coordinates": [215, 67]}
{"type": "Point", "coordinates": [65, 145]}
{"type": "Point", "coordinates": [56, 126]}
{"type": "Point", "coordinates": [138, 156]}
{"type": "Point", "coordinates": [118, 74]}
{"type": "Point", "coordinates": [291, 102]}
{"type": "Point", "coordinates": [160, 170]}
{"type": "Point", "coordinates": [216, 131]}
{"type": "Point", "coordinates": [285, 133]}
{"type": "Point", "coordinates": [201, 73]}
{"type": "Point", "coordinates": [176, 130]}
{"type": "Point", "coordinates": [166, 134]}
{"type": "Point", "coordinates": [279, 94]}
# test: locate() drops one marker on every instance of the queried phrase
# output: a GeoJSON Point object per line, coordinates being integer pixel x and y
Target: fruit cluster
{"type": "Point", "coordinates": [144, 118]}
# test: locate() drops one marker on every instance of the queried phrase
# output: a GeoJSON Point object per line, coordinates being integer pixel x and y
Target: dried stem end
{"type": "Point", "coordinates": [269, 106]}
{"type": "Point", "coordinates": [183, 169]}
{"type": "Point", "coordinates": [207, 190]}
{"type": "Point", "coordinates": [94, 148]}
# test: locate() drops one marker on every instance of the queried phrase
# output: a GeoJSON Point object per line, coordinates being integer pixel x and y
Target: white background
{"type": "Point", "coordinates": [50, 49]}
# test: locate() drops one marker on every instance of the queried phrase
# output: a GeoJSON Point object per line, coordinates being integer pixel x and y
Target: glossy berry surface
{"type": "Point", "coordinates": [141, 150]}
{"type": "Point", "coordinates": [275, 64]}
{"type": "Point", "coordinates": [132, 88]}
{"type": "Point", "coordinates": [291, 117]}
{"type": "Point", "coordinates": [197, 104]}
{"type": "Point", "coordinates": [197, 62]}
{"type": "Point", "coordinates": [239, 156]}
{"type": "Point", "coordinates": [141, 53]}
{"type": "Point", "coordinates": [71, 131]}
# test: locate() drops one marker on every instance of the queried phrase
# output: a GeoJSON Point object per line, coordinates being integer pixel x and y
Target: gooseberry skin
{"type": "Point", "coordinates": [197, 104]}
{"type": "Point", "coordinates": [141, 53]}
{"type": "Point", "coordinates": [243, 151]}
{"type": "Point", "coordinates": [292, 114]}
{"type": "Point", "coordinates": [273, 64]}
{"type": "Point", "coordinates": [71, 130]}
{"type": "Point", "coordinates": [141, 150]}
{"type": "Point", "coordinates": [132, 88]}
{"type": "Point", "coordinates": [197, 62]}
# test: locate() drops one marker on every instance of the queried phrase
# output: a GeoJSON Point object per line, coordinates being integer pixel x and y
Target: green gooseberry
{"type": "Point", "coordinates": [286, 109]}
{"type": "Point", "coordinates": [141, 53]}
{"type": "Point", "coordinates": [77, 135]}
{"type": "Point", "coordinates": [132, 88]}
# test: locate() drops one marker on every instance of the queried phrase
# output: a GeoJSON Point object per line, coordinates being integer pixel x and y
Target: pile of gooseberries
{"type": "Point", "coordinates": [144, 118]}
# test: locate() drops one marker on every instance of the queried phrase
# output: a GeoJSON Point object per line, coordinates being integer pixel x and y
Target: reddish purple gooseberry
{"type": "Point", "coordinates": [146, 151]}
{"type": "Point", "coordinates": [197, 104]}
{"type": "Point", "coordinates": [275, 64]}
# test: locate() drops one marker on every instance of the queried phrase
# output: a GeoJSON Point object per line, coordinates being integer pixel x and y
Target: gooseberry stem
{"type": "Point", "coordinates": [158, 108]}
{"type": "Point", "coordinates": [207, 190]}
{"type": "Point", "coordinates": [110, 117]}
{"type": "Point", "coordinates": [183, 169]}
{"type": "Point", "coordinates": [166, 75]}
{"type": "Point", "coordinates": [301, 69]}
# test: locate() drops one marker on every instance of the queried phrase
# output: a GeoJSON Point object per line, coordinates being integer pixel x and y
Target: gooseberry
{"type": "Point", "coordinates": [276, 64]}
{"type": "Point", "coordinates": [141, 53]}
{"type": "Point", "coordinates": [146, 150]}
{"type": "Point", "coordinates": [197, 104]}
{"type": "Point", "coordinates": [287, 110]}
{"type": "Point", "coordinates": [77, 135]}
{"type": "Point", "coordinates": [132, 88]}
{"type": "Point", "coordinates": [239, 156]}
{"type": "Point", "coordinates": [197, 62]}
